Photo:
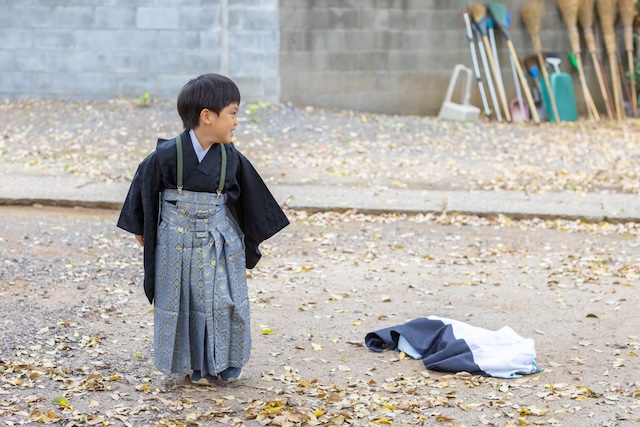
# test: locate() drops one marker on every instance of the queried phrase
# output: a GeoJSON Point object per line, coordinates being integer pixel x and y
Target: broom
{"type": "Point", "coordinates": [627, 15]}
{"type": "Point", "coordinates": [607, 13]}
{"type": "Point", "coordinates": [531, 13]}
{"type": "Point", "coordinates": [499, 14]}
{"type": "Point", "coordinates": [479, 14]}
{"type": "Point", "coordinates": [585, 16]}
{"type": "Point", "coordinates": [569, 9]}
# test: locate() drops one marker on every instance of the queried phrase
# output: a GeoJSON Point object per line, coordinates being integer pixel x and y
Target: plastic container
{"type": "Point", "coordinates": [463, 110]}
{"type": "Point", "coordinates": [562, 86]}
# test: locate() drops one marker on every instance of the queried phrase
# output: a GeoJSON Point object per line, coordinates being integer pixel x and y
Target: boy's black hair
{"type": "Point", "coordinates": [211, 91]}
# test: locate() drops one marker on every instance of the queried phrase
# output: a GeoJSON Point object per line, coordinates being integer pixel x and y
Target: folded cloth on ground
{"type": "Point", "coordinates": [448, 345]}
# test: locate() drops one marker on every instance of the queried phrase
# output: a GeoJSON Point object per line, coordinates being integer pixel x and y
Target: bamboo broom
{"type": "Point", "coordinates": [585, 17]}
{"type": "Point", "coordinates": [627, 15]}
{"type": "Point", "coordinates": [479, 14]}
{"type": "Point", "coordinates": [607, 13]}
{"type": "Point", "coordinates": [569, 9]}
{"type": "Point", "coordinates": [531, 12]}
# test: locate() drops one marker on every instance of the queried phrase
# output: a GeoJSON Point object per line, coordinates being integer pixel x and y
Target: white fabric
{"type": "Point", "coordinates": [200, 152]}
{"type": "Point", "coordinates": [403, 345]}
{"type": "Point", "coordinates": [498, 353]}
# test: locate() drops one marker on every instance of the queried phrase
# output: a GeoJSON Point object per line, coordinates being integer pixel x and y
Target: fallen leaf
{"type": "Point", "coordinates": [60, 401]}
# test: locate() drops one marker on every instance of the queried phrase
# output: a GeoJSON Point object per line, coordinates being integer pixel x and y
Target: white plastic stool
{"type": "Point", "coordinates": [462, 111]}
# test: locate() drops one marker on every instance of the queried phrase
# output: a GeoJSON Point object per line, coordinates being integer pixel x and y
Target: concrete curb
{"type": "Point", "coordinates": [57, 190]}
{"type": "Point", "coordinates": [22, 188]}
{"type": "Point", "coordinates": [590, 207]}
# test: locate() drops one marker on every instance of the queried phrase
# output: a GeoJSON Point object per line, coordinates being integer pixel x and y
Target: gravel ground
{"type": "Point", "coordinates": [294, 145]}
{"type": "Point", "coordinates": [76, 335]}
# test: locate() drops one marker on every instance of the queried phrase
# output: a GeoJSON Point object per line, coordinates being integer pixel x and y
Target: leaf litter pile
{"type": "Point", "coordinates": [76, 335]}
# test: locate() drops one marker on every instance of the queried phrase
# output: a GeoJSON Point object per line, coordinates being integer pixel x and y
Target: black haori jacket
{"type": "Point", "coordinates": [248, 198]}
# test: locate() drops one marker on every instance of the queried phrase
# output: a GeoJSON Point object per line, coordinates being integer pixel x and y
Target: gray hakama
{"type": "Point", "coordinates": [201, 307]}
{"type": "Point", "coordinates": [198, 245]}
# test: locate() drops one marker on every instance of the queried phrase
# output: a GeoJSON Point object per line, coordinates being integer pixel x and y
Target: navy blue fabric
{"type": "Point", "coordinates": [434, 340]}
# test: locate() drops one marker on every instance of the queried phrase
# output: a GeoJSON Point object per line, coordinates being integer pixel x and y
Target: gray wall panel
{"type": "Point", "coordinates": [122, 48]}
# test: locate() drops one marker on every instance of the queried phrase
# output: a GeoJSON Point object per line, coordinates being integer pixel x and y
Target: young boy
{"type": "Point", "coordinates": [200, 210]}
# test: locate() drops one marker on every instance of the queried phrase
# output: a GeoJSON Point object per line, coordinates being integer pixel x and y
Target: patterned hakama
{"type": "Point", "coordinates": [201, 307]}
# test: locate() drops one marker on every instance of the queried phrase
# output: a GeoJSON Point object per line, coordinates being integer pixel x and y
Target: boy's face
{"type": "Point", "coordinates": [220, 128]}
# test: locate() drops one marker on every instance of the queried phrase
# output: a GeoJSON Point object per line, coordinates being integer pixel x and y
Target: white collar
{"type": "Point", "coordinates": [200, 152]}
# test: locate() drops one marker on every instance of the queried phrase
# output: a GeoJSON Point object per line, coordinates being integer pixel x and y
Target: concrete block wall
{"type": "Point", "coordinates": [395, 56]}
{"type": "Point", "coordinates": [122, 48]}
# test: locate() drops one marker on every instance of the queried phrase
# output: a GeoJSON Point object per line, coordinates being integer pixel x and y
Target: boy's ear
{"type": "Point", "coordinates": [206, 116]}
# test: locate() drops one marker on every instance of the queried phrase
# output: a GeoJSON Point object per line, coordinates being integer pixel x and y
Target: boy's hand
{"type": "Point", "coordinates": [140, 239]}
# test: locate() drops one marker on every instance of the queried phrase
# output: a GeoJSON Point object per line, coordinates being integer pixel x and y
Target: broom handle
{"type": "Point", "coordinates": [516, 83]}
{"type": "Point", "coordinates": [476, 67]}
{"type": "Point", "coordinates": [494, 51]}
{"type": "Point", "coordinates": [607, 87]}
{"type": "Point", "coordinates": [487, 72]}
{"type": "Point", "coordinates": [625, 84]}
{"type": "Point", "coordinates": [632, 75]}
{"type": "Point", "coordinates": [615, 83]}
{"type": "Point", "coordinates": [523, 81]}
{"type": "Point", "coordinates": [602, 84]}
{"type": "Point", "coordinates": [503, 97]}
{"type": "Point", "coordinates": [552, 97]}
{"type": "Point", "coordinates": [585, 89]}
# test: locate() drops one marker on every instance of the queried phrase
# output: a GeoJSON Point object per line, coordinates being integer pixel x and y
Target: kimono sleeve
{"type": "Point", "coordinates": [132, 214]}
{"type": "Point", "coordinates": [259, 214]}
{"type": "Point", "coordinates": [140, 208]}
{"type": "Point", "coordinates": [140, 211]}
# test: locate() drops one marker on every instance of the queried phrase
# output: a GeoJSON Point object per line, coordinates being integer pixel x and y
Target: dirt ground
{"type": "Point", "coordinates": [76, 332]}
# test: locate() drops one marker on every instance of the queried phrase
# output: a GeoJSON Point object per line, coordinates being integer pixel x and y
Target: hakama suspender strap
{"type": "Point", "coordinates": [223, 169]}
{"type": "Point", "coordinates": [180, 163]}
{"type": "Point", "coordinates": [180, 166]}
